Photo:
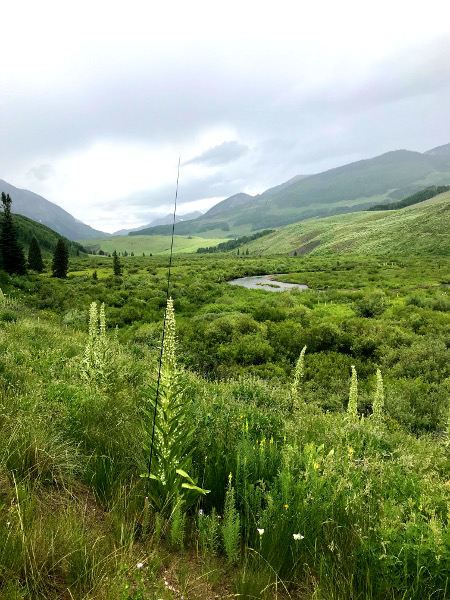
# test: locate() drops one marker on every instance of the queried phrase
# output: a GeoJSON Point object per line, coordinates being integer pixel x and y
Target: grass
{"type": "Point", "coordinates": [420, 229]}
{"type": "Point", "coordinates": [149, 244]}
{"type": "Point", "coordinates": [370, 497]}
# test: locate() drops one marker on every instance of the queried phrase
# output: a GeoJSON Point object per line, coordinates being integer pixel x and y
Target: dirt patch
{"type": "Point", "coordinates": [306, 237]}
{"type": "Point", "coordinates": [306, 248]}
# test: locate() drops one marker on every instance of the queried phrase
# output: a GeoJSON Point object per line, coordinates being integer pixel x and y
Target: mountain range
{"type": "Point", "coordinates": [167, 220]}
{"type": "Point", "coordinates": [353, 187]}
{"type": "Point", "coordinates": [350, 188]}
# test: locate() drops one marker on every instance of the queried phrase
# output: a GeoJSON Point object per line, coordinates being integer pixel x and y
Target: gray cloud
{"type": "Point", "coordinates": [41, 173]}
{"type": "Point", "coordinates": [164, 196]}
{"type": "Point", "coordinates": [284, 121]}
{"type": "Point", "coordinates": [219, 155]}
{"type": "Point", "coordinates": [150, 106]}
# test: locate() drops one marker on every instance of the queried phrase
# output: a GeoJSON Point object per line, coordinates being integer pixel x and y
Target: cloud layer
{"type": "Point", "coordinates": [97, 103]}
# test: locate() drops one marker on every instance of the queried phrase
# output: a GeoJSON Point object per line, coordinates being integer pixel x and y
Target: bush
{"type": "Point", "coordinates": [8, 316]}
{"type": "Point", "coordinates": [372, 304]}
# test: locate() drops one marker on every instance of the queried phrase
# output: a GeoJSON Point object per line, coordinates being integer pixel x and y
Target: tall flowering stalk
{"type": "Point", "coordinates": [169, 365]}
{"type": "Point", "coordinates": [298, 379]}
{"type": "Point", "coordinates": [378, 402]}
{"type": "Point", "coordinates": [231, 525]}
{"type": "Point", "coordinates": [171, 445]}
{"type": "Point", "coordinates": [352, 408]}
{"type": "Point", "coordinates": [95, 354]}
{"type": "Point", "coordinates": [102, 322]}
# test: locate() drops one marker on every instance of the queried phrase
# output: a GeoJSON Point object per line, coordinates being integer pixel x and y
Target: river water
{"type": "Point", "coordinates": [268, 283]}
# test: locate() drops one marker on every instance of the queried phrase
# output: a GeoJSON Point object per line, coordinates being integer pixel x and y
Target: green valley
{"type": "Point", "coordinates": [301, 445]}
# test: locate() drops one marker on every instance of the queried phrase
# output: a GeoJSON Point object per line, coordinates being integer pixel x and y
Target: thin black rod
{"type": "Point", "coordinates": [163, 333]}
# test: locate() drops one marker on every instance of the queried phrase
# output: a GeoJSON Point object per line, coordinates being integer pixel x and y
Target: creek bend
{"type": "Point", "coordinates": [268, 283]}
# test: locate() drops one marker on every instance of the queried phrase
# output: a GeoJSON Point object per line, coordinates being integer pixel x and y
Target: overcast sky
{"type": "Point", "coordinates": [99, 99]}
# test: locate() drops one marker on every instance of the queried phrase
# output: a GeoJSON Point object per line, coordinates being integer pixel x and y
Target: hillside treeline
{"type": "Point", "coordinates": [426, 194]}
{"type": "Point", "coordinates": [233, 244]}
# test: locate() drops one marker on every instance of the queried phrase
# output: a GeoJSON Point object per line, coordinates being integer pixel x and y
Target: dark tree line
{"type": "Point", "coordinates": [232, 244]}
{"type": "Point", "coordinates": [426, 194]}
{"type": "Point", "coordinates": [12, 257]}
{"type": "Point", "coordinates": [11, 252]}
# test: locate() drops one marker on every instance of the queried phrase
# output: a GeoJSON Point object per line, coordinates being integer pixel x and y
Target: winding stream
{"type": "Point", "coordinates": [268, 283]}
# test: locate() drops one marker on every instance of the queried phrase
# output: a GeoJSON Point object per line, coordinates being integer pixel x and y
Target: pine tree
{"type": "Point", "coordinates": [117, 267]}
{"type": "Point", "coordinates": [60, 263]}
{"type": "Point", "coordinates": [13, 258]}
{"type": "Point", "coordinates": [35, 261]}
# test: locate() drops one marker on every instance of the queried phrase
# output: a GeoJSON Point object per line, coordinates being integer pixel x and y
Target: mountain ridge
{"type": "Point", "coordinates": [348, 188]}
{"type": "Point", "coordinates": [166, 220]}
{"type": "Point", "coordinates": [41, 210]}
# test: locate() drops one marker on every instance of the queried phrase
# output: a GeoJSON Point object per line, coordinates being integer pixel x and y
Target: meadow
{"type": "Point", "coordinates": [148, 244]}
{"type": "Point", "coordinates": [301, 447]}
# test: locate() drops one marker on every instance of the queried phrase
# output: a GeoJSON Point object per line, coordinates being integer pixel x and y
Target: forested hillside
{"type": "Point", "coordinates": [46, 237]}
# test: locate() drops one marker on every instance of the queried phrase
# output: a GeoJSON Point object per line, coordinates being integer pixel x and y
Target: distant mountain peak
{"type": "Point", "coordinates": [166, 220]}
{"type": "Point", "coordinates": [232, 202]}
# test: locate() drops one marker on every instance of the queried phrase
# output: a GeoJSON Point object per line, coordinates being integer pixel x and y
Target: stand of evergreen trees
{"type": "Point", "coordinates": [426, 194]}
{"type": "Point", "coordinates": [233, 244]}
{"type": "Point", "coordinates": [11, 252]}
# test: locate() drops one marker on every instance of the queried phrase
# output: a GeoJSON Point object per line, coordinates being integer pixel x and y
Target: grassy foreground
{"type": "Point", "coordinates": [311, 494]}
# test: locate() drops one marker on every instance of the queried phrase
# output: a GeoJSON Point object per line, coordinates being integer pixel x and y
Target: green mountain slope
{"type": "Point", "coordinates": [46, 237]}
{"type": "Point", "coordinates": [426, 194]}
{"type": "Point", "coordinates": [422, 229]}
{"type": "Point", "coordinates": [43, 211]}
{"type": "Point", "coordinates": [353, 187]}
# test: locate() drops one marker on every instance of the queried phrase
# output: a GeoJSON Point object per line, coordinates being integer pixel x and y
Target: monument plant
{"type": "Point", "coordinates": [168, 437]}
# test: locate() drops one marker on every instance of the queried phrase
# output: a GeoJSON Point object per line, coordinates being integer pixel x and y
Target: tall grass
{"type": "Point", "coordinates": [350, 508]}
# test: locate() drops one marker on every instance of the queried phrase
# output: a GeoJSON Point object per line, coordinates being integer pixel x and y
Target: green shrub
{"type": "Point", "coordinates": [372, 304]}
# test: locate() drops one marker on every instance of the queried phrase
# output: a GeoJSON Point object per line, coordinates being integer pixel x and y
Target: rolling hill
{"type": "Point", "coordinates": [43, 211]}
{"type": "Point", "coordinates": [353, 187]}
{"type": "Point", "coordinates": [421, 229]}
